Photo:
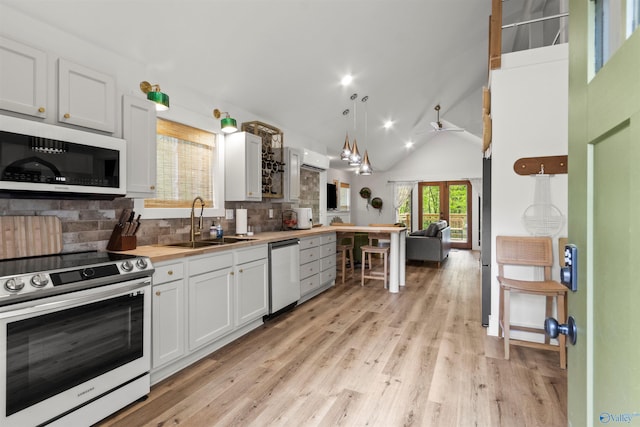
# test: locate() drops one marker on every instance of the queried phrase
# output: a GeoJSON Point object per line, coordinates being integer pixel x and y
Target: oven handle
{"type": "Point", "coordinates": [88, 295]}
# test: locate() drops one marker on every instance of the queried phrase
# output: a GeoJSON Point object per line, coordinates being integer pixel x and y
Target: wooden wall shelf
{"type": "Point", "coordinates": [550, 165]}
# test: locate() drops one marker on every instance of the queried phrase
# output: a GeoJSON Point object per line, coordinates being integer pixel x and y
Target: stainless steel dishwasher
{"type": "Point", "coordinates": [284, 274]}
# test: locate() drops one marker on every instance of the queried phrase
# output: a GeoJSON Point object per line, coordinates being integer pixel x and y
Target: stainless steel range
{"type": "Point", "coordinates": [74, 337]}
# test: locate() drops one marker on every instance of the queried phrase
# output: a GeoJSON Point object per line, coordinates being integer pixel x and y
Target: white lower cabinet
{"type": "Point", "coordinates": [210, 307]}
{"type": "Point", "coordinates": [203, 302]}
{"type": "Point", "coordinates": [251, 284]}
{"type": "Point", "coordinates": [167, 313]}
{"type": "Point", "coordinates": [317, 264]}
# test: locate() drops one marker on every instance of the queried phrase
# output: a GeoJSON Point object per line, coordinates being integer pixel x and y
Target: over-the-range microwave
{"type": "Point", "coordinates": [43, 160]}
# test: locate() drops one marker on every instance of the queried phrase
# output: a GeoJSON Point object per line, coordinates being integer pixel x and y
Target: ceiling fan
{"type": "Point", "coordinates": [438, 126]}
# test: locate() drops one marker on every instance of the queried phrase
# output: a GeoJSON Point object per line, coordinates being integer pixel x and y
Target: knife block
{"type": "Point", "coordinates": [118, 242]}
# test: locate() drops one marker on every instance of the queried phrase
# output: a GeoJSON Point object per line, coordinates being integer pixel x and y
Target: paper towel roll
{"type": "Point", "coordinates": [241, 221]}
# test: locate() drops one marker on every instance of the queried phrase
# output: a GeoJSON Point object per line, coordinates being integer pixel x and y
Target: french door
{"type": "Point", "coordinates": [448, 200]}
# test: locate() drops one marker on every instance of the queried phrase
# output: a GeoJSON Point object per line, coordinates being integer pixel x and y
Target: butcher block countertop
{"type": "Point", "coordinates": [159, 253]}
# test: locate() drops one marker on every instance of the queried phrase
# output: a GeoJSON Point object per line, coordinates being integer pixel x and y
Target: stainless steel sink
{"type": "Point", "coordinates": [195, 245]}
{"type": "Point", "coordinates": [211, 242]}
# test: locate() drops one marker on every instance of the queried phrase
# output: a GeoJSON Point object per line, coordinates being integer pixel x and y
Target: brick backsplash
{"type": "Point", "coordinates": [87, 224]}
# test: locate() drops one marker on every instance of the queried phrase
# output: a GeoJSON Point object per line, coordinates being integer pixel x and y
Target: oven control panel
{"type": "Point", "coordinates": [27, 285]}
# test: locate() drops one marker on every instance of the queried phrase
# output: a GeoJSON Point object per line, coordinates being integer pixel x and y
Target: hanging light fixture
{"type": "Point", "coordinates": [156, 95]}
{"type": "Point", "coordinates": [365, 166]}
{"type": "Point", "coordinates": [227, 124]}
{"type": "Point", "coordinates": [354, 158]}
{"type": "Point", "coordinates": [346, 149]}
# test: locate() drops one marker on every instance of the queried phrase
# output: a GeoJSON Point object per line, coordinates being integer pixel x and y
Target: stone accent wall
{"type": "Point", "coordinates": [87, 224]}
{"type": "Point", "coordinates": [310, 192]}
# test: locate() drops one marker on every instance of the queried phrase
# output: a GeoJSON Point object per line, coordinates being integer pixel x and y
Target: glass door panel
{"type": "Point", "coordinates": [459, 214]}
{"type": "Point", "coordinates": [451, 201]}
{"type": "Point", "coordinates": [431, 203]}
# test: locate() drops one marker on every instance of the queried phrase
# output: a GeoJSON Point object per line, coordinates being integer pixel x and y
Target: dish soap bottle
{"type": "Point", "coordinates": [219, 232]}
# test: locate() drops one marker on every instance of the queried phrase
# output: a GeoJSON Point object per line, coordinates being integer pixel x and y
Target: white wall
{"type": "Point", "coordinates": [529, 108]}
{"type": "Point", "coordinates": [445, 156]}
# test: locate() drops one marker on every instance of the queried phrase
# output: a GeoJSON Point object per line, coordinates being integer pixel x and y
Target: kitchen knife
{"type": "Point", "coordinates": [129, 226]}
{"type": "Point", "coordinates": [135, 230]}
{"type": "Point", "coordinates": [123, 218]}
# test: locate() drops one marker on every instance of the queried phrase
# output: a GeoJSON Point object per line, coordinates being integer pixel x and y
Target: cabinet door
{"type": "Point", "coordinates": [23, 78]}
{"type": "Point", "coordinates": [243, 167]}
{"type": "Point", "coordinates": [210, 307]}
{"type": "Point", "coordinates": [292, 176]}
{"type": "Point", "coordinates": [139, 130]}
{"type": "Point", "coordinates": [252, 298]}
{"type": "Point", "coordinates": [168, 323]}
{"type": "Point", "coordinates": [85, 97]}
{"type": "Point", "coordinates": [254, 167]}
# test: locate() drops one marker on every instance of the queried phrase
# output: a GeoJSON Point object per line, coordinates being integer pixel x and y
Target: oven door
{"type": "Point", "coordinates": [62, 352]}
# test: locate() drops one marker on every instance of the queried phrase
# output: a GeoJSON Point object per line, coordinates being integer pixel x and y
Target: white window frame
{"type": "Point", "coordinates": [199, 122]}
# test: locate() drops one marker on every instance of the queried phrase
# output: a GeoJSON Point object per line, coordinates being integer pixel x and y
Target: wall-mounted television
{"type": "Point", "coordinates": [332, 196]}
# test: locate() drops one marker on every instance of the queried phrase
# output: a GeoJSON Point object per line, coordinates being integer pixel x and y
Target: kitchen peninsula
{"type": "Point", "coordinates": [397, 254]}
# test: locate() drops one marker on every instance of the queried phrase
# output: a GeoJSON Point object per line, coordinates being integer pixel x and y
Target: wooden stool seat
{"type": "Point", "coordinates": [369, 250]}
{"type": "Point", "coordinates": [344, 249]}
{"type": "Point", "coordinates": [532, 252]}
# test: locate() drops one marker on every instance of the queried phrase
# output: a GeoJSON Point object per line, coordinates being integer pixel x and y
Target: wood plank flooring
{"type": "Point", "coordinates": [359, 356]}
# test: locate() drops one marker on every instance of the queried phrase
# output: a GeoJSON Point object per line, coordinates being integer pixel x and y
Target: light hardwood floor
{"type": "Point", "coordinates": [358, 356]}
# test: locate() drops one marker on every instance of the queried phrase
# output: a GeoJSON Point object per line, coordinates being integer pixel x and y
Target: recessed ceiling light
{"type": "Point", "coordinates": [346, 80]}
{"type": "Point", "coordinates": [388, 124]}
{"type": "Point", "coordinates": [408, 144]}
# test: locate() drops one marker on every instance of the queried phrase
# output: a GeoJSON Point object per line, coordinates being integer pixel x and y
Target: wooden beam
{"type": "Point", "coordinates": [495, 35]}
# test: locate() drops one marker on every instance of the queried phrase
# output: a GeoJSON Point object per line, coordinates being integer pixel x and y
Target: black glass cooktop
{"type": "Point", "coordinates": [50, 263]}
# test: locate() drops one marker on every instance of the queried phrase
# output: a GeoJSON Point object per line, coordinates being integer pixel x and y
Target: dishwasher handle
{"type": "Point", "coordinates": [284, 243]}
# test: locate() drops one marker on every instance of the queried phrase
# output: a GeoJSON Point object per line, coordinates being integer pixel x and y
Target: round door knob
{"type": "Point", "coordinates": [67, 115]}
{"type": "Point", "coordinates": [41, 110]}
{"type": "Point", "coordinates": [157, 293]}
{"type": "Point", "coordinates": [553, 329]}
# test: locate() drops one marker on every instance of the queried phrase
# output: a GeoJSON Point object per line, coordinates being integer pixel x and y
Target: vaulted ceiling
{"type": "Point", "coordinates": [283, 60]}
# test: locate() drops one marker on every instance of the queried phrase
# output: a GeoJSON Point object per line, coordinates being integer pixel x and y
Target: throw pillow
{"type": "Point", "coordinates": [432, 230]}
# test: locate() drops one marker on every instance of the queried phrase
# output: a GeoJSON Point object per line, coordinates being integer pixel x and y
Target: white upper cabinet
{"type": "Point", "coordinates": [243, 167]}
{"type": "Point", "coordinates": [139, 130]}
{"type": "Point", "coordinates": [85, 97]}
{"type": "Point", "coordinates": [23, 78]}
{"type": "Point", "coordinates": [293, 160]}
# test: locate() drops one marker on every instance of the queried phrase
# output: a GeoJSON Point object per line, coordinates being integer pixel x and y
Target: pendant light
{"type": "Point", "coordinates": [354, 158]}
{"type": "Point", "coordinates": [365, 166]}
{"type": "Point", "coordinates": [227, 124]}
{"type": "Point", "coordinates": [346, 149]}
{"type": "Point", "coordinates": [156, 95]}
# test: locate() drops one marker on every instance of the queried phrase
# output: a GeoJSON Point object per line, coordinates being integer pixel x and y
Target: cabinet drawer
{"type": "Point", "coordinates": [327, 275]}
{"type": "Point", "coordinates": [309, 242]}
{"type": "Point", "coordinates": [167, 273]}
{"type": "Point", "coordinates": [327, 250]}
{"type": "Point", "coordinates": [327, 262]}
{"type": "Point", "coordinates": [309, 269]}
{"type": "Point", "coordinates": [310, 254]}
{"type": "Point", "coordinates": [210, 263]}
{"type": "Point", "coordinates": [309, 284]}
{"type": "Point", "coordinates": [328, 238]}
{"type": "Point", "coordinates": [251, 254]}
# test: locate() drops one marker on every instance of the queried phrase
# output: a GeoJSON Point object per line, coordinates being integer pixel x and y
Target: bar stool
{"type": "Point", "coordinates": [376, 275]}
{"type": "Point", "coordinates": [344, 248]}
{"type": "Point", "coordinates": [532, 252]}
{"type": "Point", "coordinates": [382, 239]}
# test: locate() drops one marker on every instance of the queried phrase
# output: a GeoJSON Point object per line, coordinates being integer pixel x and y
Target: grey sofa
{"type": "Point", "coordinates": [431, 244]}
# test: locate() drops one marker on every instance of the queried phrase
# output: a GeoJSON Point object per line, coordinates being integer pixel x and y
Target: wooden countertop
{"type": "Point", "coordinates": [159, 253]}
